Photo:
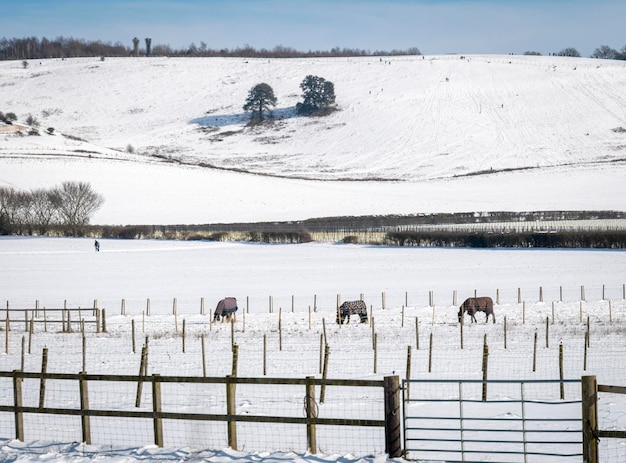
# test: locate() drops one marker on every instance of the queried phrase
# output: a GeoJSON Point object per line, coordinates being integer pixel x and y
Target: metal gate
{"type": "Point", "coordinates": [506, 421]}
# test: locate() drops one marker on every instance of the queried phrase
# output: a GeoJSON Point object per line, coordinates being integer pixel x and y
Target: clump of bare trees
{"type": "Point", "coordinates": [61, 210]}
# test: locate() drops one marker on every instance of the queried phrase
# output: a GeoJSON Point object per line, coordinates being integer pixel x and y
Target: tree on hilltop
{"type": "Point", "coordinates": [260, 99]}
{"type": "Point", "coordinates": [318, 94]}
{"type": "Point", "coordinates": [570, 52]}
{"type": "Point", "coordinates": [605, 52]}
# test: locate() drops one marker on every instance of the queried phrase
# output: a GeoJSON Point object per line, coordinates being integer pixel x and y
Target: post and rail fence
{"type": "Point", "coordinates": [77, 385]}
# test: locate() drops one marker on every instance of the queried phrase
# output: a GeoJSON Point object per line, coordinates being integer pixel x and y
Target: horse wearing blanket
{"type": "Point", "coordinates": [225, 309]}
{"type": "Point", "coordinates": [351, 308]}
{"type": "Point", "coordinates": [472, 305]}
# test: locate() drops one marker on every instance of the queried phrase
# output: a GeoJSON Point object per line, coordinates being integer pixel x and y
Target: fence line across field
{"type": "Point", "coordinates": [383, 300]}
{"type": "Point", "coordinates": [169, 394]}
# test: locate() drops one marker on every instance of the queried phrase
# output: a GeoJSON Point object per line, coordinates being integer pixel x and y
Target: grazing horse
{"type": "Point", "coordinates": [472, 305]}
{"type": "Point", "coordinates": [225, 309]}
{"type": "Point", "coordinates": [352, 308]}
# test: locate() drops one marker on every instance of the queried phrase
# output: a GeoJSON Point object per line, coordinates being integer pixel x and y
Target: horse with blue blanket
{"type": "Point", "coordinates": [225, 310]}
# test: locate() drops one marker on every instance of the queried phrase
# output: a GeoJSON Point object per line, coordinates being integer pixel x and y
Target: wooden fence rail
{"type": "Point", "coordinates": [65, 316]}
{"type": "Point", "coordinates": [390, 420]}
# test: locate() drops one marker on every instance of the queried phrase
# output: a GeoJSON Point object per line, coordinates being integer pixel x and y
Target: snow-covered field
{"type": "Point", "coordinates": [58, 271]}
{"type": "Point", "coordinates": [420, 123]}
{"type": "Point", "coordinates": [544, 133]}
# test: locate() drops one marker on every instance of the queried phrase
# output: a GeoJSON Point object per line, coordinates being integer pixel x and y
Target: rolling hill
{"type": "Point", "coordinates": [165, 140]}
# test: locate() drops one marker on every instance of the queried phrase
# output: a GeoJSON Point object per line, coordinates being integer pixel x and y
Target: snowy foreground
{"type": "Point", "coordinates": [58, 271]}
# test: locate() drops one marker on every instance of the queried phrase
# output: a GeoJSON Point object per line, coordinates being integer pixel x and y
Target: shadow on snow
{"type": "Point", "coordinates": [224, 120]}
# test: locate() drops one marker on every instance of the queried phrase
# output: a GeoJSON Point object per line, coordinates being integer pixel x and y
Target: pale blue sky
{"type": "Point", "coordinates": [443, 26]}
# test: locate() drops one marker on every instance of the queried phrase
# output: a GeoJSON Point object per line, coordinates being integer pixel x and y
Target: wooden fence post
{"type": "Point", "coordinates": [156, 410]}
{"type": "Point", "coordinates": [375, 351]}
{"type": "Point", "coordinates": [31, 329]}
{"type": "Point", "coordinates": [132, 332]}
{"type": "Point", "coordinates": [235, 360]}
{"type": "Point", "coordinates": [321, 352]}
{"type": "Point", "coordinates": [417, 333]}
{"type": "Point", "coordinates": [485, 369]}
{"type": "Point", "coordinates": [311, 414]}
{"type": "Point", "coordinates": [590, 418]}
{"type": "Point", "coordinates": [408, 372]}
{"type": "Point", "coordinates": [324, 373]}
{"type": "Point", "coordinates": [265, 355]}
{"type": "Point", "coordinates": [280, 329]}
{"type": "Point", "coordinates": [42, 381]}
{"type": "Point", "coordinates": [203, 356]}
{"type": "Point", "coordinates": [142, 371]}
{"type": "Point", "coordinates": [23, 353]}
{"type": "Point", "coordinates": [561, 385]}
{"type": "Point", "coordinates": [183, 336]}
{"type": "Point", "coordinates": [393, 428]}
{"type": "Point", "coordinates": [84, 406]}
{"type": "Point", "coordinates": [535, 352]}
{"type": "Point", "coordinates": [585, 351]}
{"type": "Point", "coordinates": [104, 320]}
{"type": "Point", "coordinates": [430, 353]}
{"type": "Point", "coordinates": [461, 323]}
{"type": "Point", "coordinates": [17, 401]}
{"type": "Point", "coordinates": [84, 346]}
{"type": "Point", "coordinates": [231, 412]}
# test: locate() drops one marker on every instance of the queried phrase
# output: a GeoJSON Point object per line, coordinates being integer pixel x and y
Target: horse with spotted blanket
{"type": "Point", "coordinates": [351, 308]}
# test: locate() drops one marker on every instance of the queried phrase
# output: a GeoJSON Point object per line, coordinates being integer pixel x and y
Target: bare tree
{"type": "Point", "coordinates": [14, 210]}
{"type": "Point", "coordinates": [605, 52]}
{"type": "Point", "coordinates": [569, 52]}
{"type": "Point", "coordinates": [76, 203]}
{"type": "Point", "coordinates": [43, 210]}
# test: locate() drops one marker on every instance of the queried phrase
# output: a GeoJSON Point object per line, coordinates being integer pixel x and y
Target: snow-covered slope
{"type": "Point", "coordinates": [543, 131]}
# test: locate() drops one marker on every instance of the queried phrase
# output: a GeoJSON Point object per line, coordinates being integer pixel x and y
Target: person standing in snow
{"type": "Point", "coordinates": [97, 246]}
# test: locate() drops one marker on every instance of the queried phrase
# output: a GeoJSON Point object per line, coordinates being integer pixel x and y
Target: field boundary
{"type": "Point", "coordinates": [390, 422]}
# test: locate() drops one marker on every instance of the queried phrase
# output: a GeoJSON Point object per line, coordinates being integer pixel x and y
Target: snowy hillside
{"type": "Point", "coordinates": [544, 132]}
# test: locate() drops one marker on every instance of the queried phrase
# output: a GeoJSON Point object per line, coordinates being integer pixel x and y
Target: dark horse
{"type": "Point", "coordinates": [225, 309]}
{"type": "Point", "coordinates": [477, 304]}
{"type": "Point", "coordinates": [352, 308]}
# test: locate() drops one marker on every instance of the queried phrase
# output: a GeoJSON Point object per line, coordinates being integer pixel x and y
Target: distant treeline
{"type": "Point", "coordinates": [375, 230]}
{"type": "Point", "coordinates": [68, 47]}
{"type": "Point", "coordinates": [62, 210]}
{"type": "Point", "coordinates": [559, 239]}
{"type": "Point", "coordinates": [384, 222]}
